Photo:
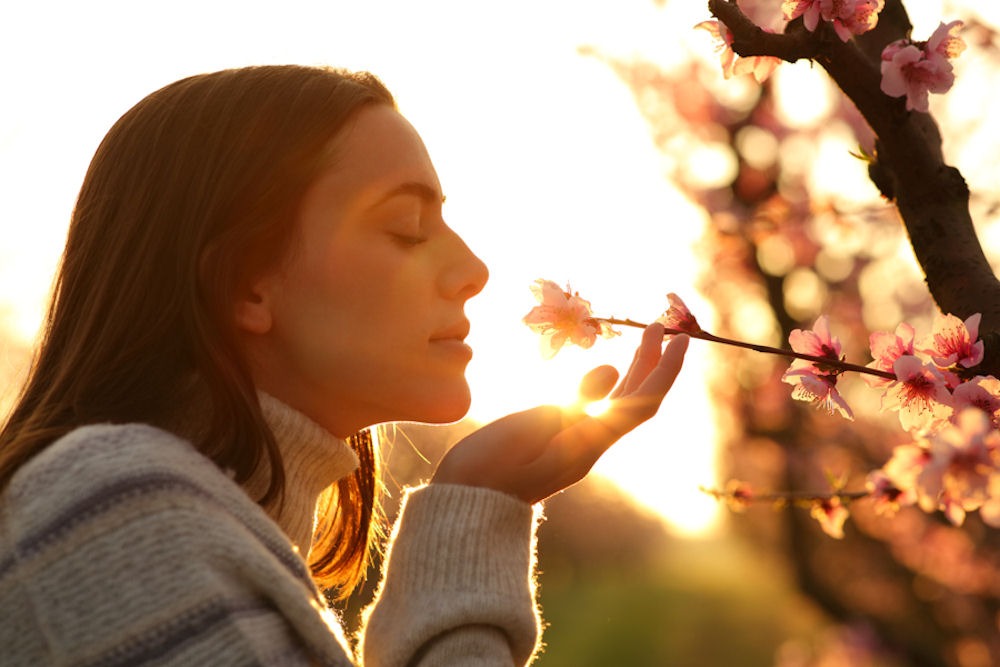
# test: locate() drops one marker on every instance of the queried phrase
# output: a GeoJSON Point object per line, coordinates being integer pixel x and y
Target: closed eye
{"type": "Point", "coordinates": [409, 241]}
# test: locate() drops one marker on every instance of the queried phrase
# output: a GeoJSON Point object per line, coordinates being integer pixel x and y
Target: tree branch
{"type": "Point", "coordinates": [932, 197]}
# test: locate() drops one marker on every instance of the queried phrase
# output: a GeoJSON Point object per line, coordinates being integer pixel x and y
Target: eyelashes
{"type": "Point", "coordinates": [408, 241]}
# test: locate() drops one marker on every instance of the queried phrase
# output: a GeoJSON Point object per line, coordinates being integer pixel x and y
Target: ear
{"type": "Point", "coordinates": [253, 308]}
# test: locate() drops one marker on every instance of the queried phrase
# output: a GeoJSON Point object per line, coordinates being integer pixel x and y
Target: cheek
{"type": "Point", "coordinates": [339, 315]}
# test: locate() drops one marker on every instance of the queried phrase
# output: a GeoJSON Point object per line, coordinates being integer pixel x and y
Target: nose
{"type": "Point", "coordinates": [465, 275]}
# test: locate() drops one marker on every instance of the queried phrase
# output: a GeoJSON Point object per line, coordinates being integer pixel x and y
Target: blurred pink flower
{"type": "Point", "coordinates": [849, 17]}
{"type": "Point", "coordinates": [990, 511]}
{"type": "Point", "coordinates": [954, 342]}
{"type": "Point", "coordinates": [958, 477]}
{"type": "Point", "coordinates": [677, 316]}
{"type": "Point", "coordinates": [733, 64]}
{"type": "Point", "coordinates": [904, 467]}
{"type": "Point", "coordinates": [563, 317]}
{"type": "Point", "coordinates": [831, 515]}
{"type": "Point", "coordinates": [915, 69]}
{"type": "Point", "coordinates": [812, 381]}
{"type": "Point", "coordinates": [886, 348]}
{"type": "Point", "coordinates": [887, 496]}
{"type": "Point", "coordinates": [920, 394]}
{"type": "Point", "coordinates": [983, 392]}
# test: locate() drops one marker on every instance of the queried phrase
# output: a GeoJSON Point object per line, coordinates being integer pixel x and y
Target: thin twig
{"type": "Point", "coordinates": [788, 497]}
{"type": "Point", "coordinates": [824, 362]}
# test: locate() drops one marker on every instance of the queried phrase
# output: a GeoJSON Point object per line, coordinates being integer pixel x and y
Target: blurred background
{"type": "Point", "coordinates": [598, 144]}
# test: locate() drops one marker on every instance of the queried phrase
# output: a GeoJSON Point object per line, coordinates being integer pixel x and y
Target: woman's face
{"type": "Point", "coordinates": [363, 321]}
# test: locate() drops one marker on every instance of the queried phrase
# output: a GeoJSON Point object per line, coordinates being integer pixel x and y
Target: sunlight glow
{"type": "Point", "coordinates": [803, 94]}
{"type": "Point", "coordinates": [597, 408]}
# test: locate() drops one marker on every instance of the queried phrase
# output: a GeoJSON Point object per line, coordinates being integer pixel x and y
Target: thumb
{"type": "Point", "coordinates": [597, 383]}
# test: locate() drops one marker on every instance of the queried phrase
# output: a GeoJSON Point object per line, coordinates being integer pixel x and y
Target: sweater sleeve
{"type": "Point", "coordinates": [150, 562]}
{"type": "Point", "coordinates": [458, 585]}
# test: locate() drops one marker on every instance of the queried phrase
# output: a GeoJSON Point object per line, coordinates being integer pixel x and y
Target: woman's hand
{"type": "Point", "coordinates": [539, 452]}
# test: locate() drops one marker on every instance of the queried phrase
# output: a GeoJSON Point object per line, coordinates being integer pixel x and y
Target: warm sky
{"type": "Point", "coordinates": [547, 164]}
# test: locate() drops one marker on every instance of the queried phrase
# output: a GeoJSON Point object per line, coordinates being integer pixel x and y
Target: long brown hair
{"type": "Point", "coordinates": [192, 192]}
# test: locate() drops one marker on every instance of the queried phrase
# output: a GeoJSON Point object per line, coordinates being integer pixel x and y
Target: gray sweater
{"type": "Point", "coordinates": [123, 545]}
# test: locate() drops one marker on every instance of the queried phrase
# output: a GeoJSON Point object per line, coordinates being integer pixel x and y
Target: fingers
{"type": "Point", "coordinates": [632, 408]}
{"type": "Point", "coordinates": [597, 383]}
{"type": "Point", "coordinates": [577, 447]}
{"type": "Point", "coordinates": [646, 357]}
{"type": "Point", "coordinates": [649, 394]}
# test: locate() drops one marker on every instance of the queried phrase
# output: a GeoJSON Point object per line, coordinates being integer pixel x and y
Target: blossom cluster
{"type": "Point", "coordinates": [909, 68]}
{"type": "Point", "coordinates": [951, 412]}
{"type": "Point", "coordinates": [915, 69]}
{"type": "Point", "coordinates": [848, 17]}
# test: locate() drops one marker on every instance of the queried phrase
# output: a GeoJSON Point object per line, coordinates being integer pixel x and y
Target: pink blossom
{"type": "Point", "coordinates": [915, 69]}
{"type": "Point", "coordinates": [818, 389]}
{"type": "Point", "coordinates": [983, 392]}
{"type": "Point", "coordinates": [945, 41]}
{"type": "Point", "coordinates": [733, 64]}
{"type": "Point", "coordinates": [954, 342]}
{"type": "Point", "coordinates": [958, 477]}
{"type": "Point", "coordinates": [848, 17]}
{"type": "Point", "coordinates": [886, 348]}
{"type": "Point", "coordinates": [563, 317]}
{"type": "Point", "coordinates": [909, 72]}
{"type": "Point", "coordinates": [919, 393]}
{"type": "Point", "coordinates": [831, 514]}
{"type": "Point", "coordinates": [887, 496]}
{"type": "Point", "coordinates": [809, 10]}
{"type": "Point", "coordinates": [818, 342]}
{"type": "Point", "coordinates": [814, 382]}
{"type": "Point", "coordinates": [904, 468]}
{"type": "Point", "coordinates": [677, 316]}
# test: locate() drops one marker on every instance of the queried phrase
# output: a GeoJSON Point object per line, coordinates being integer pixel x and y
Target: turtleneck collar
{"type": "Point", "coordinates": [313, 459]}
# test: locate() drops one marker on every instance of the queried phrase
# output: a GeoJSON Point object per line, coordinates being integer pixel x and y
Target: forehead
{"type": "Point", "coordinates": [376, 152]}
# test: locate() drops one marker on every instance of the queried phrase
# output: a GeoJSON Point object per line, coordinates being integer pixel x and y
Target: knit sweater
{"type": "Point", "coordinates": [123, 545]}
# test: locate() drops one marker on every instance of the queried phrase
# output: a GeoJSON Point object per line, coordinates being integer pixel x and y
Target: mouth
{"type": "Point", "coordinates": [456, 332]}
{"type": "Point", "coordinates": [451, 341]}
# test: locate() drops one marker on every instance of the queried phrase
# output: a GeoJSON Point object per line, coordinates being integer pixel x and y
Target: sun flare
{"type": "Point", "coordinates": [597, 408]}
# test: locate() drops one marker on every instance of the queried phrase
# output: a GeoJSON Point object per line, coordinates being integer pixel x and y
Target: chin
{"type": "Point", "coordinates": [445, 409]}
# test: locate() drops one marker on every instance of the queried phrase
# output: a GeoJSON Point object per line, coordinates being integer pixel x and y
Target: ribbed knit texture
{"type": "Point", "coordinates": [123, 545]}
{"type": "Point", "coordinates": [458, 560]}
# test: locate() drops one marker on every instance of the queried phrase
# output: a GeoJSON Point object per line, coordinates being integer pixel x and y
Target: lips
{"type": "Point", "coordinates": [456, 331]}
{"type": "Point", "coordinates": [451, 343]}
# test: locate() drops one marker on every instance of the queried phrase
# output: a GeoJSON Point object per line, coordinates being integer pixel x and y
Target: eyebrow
{"type": "Point", "coordinates": [417, 189]}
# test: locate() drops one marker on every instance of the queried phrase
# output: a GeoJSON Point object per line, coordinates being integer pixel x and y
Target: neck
{"type": "Point", "coordinates": [313, 460]}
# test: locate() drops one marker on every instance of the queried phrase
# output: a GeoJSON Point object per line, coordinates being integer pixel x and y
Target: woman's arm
{"type": "Point", "coordinates": [459, 581]}
{"type": "Point", "coordinates": [458, 586]}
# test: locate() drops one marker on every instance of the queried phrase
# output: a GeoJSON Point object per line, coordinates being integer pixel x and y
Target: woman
{"type": "Point", "coordinates": [256, 273]}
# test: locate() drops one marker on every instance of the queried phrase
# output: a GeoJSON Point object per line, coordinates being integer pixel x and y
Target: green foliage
{"type": "Point", "coordinates": [706, 603]}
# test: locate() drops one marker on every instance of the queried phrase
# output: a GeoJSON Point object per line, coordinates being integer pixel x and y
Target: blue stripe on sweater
{"type": "Point", "coordinates": [118, 492]}
{"type": "Point", "coordinates": [182, 631]}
